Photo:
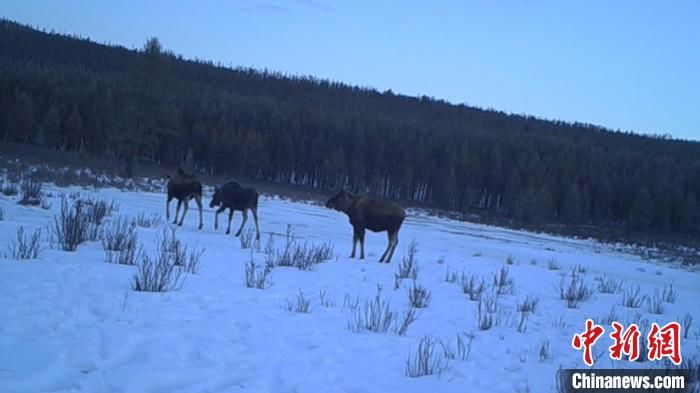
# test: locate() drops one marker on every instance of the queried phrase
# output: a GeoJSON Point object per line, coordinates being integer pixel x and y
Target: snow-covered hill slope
{"type": "Point", "coordinates": [69, 322]}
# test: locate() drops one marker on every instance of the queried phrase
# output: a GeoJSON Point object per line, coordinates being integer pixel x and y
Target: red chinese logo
{"type": "Point", "coordinates": [665, 342]}
{"type": "Point", "coordinates": [625, 343]}
{"type": "Point", "coordinates": [586, 340]}
{"type": "Point", "coordinates": [662, 342]}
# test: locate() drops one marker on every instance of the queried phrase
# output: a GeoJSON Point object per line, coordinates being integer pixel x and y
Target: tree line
{"type": "Point", "coordinates": [153, 106]}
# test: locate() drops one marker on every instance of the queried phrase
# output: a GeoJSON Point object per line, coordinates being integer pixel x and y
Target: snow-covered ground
{"type": "Point", "coordinates": [70, 322]}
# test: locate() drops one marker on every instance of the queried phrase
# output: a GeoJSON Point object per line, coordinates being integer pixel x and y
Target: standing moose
{"type": "Point", "coordinates": [234, 197]}
{"type": "Point", "coordinates": [367, 213]}
{"type": "Point", "coordinates": [183, 187]}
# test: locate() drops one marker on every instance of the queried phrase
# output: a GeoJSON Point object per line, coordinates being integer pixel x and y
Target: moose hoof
{"type": "Point", "coordinates": [228, 232]}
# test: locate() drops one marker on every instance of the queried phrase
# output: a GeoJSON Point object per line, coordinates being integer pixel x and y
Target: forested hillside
{"type": "Point", "coordinates": [152, 106]}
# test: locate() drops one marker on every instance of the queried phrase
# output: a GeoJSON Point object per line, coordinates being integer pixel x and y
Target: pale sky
{"type": "Point", "coordinates": [628, 65]}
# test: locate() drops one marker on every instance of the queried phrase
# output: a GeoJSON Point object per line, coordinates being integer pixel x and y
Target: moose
{"type": "Point", "coordinates": [367, 213]}
{"type": "Point", "coordinates": [234, 197]}
{"type": "Point", "coordinates": [183, 187]}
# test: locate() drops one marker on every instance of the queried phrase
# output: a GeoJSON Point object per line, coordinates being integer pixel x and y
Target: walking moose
{"type": "Point", "coordinates": [234, 197]}
{"type": "Point", "coordinates": [367, 213]}
{"type": "Point", "coordinates": [183, 187]}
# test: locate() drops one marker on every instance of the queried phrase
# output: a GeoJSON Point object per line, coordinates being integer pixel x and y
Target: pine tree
{"type": "Point", "coordinates": [74, 129]}
{"type": "Point", "coordinates": [22, 119]}
{"type": "Point", "coordinates": [572, 209]}
{"type": "Point", "coordinates": [640, 212]}
{"type": "Point", "coordinates": [50, 128]}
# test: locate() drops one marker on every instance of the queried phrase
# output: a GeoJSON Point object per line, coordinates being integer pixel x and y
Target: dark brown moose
{"type": "Point", "coordinates": [234, 197]}
{"type": "Point", "coordinates": [183, 187]}
{"type": "Point", "coordinates": [367, 213]}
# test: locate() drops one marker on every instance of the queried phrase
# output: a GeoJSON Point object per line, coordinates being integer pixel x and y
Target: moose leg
{"type": "Point", "coordinates": [362, 243]}
{"type": "Point", "coordinates": [216, 217]}
{"type": "Point", "coordinates": [198, 200]}
{"type": "Point", "coordinates": [245, 218]}
{"type": "Point", "coordinates": [230, 218]}
{"type": "Point", "coordinates": [388, 247]}
{"type": "Point", "coordinates": [355, 237]}
{"type": "Point", "coordinates": [255, 217]}
{"type": "Point", "coordinates": [186, 202]}
{"type": "Point", "coordinates": [177, 210]}
{"type": "Point", "coordinates": [167, 208]}
{"type": "Point", "coordinates": [394, 243]}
